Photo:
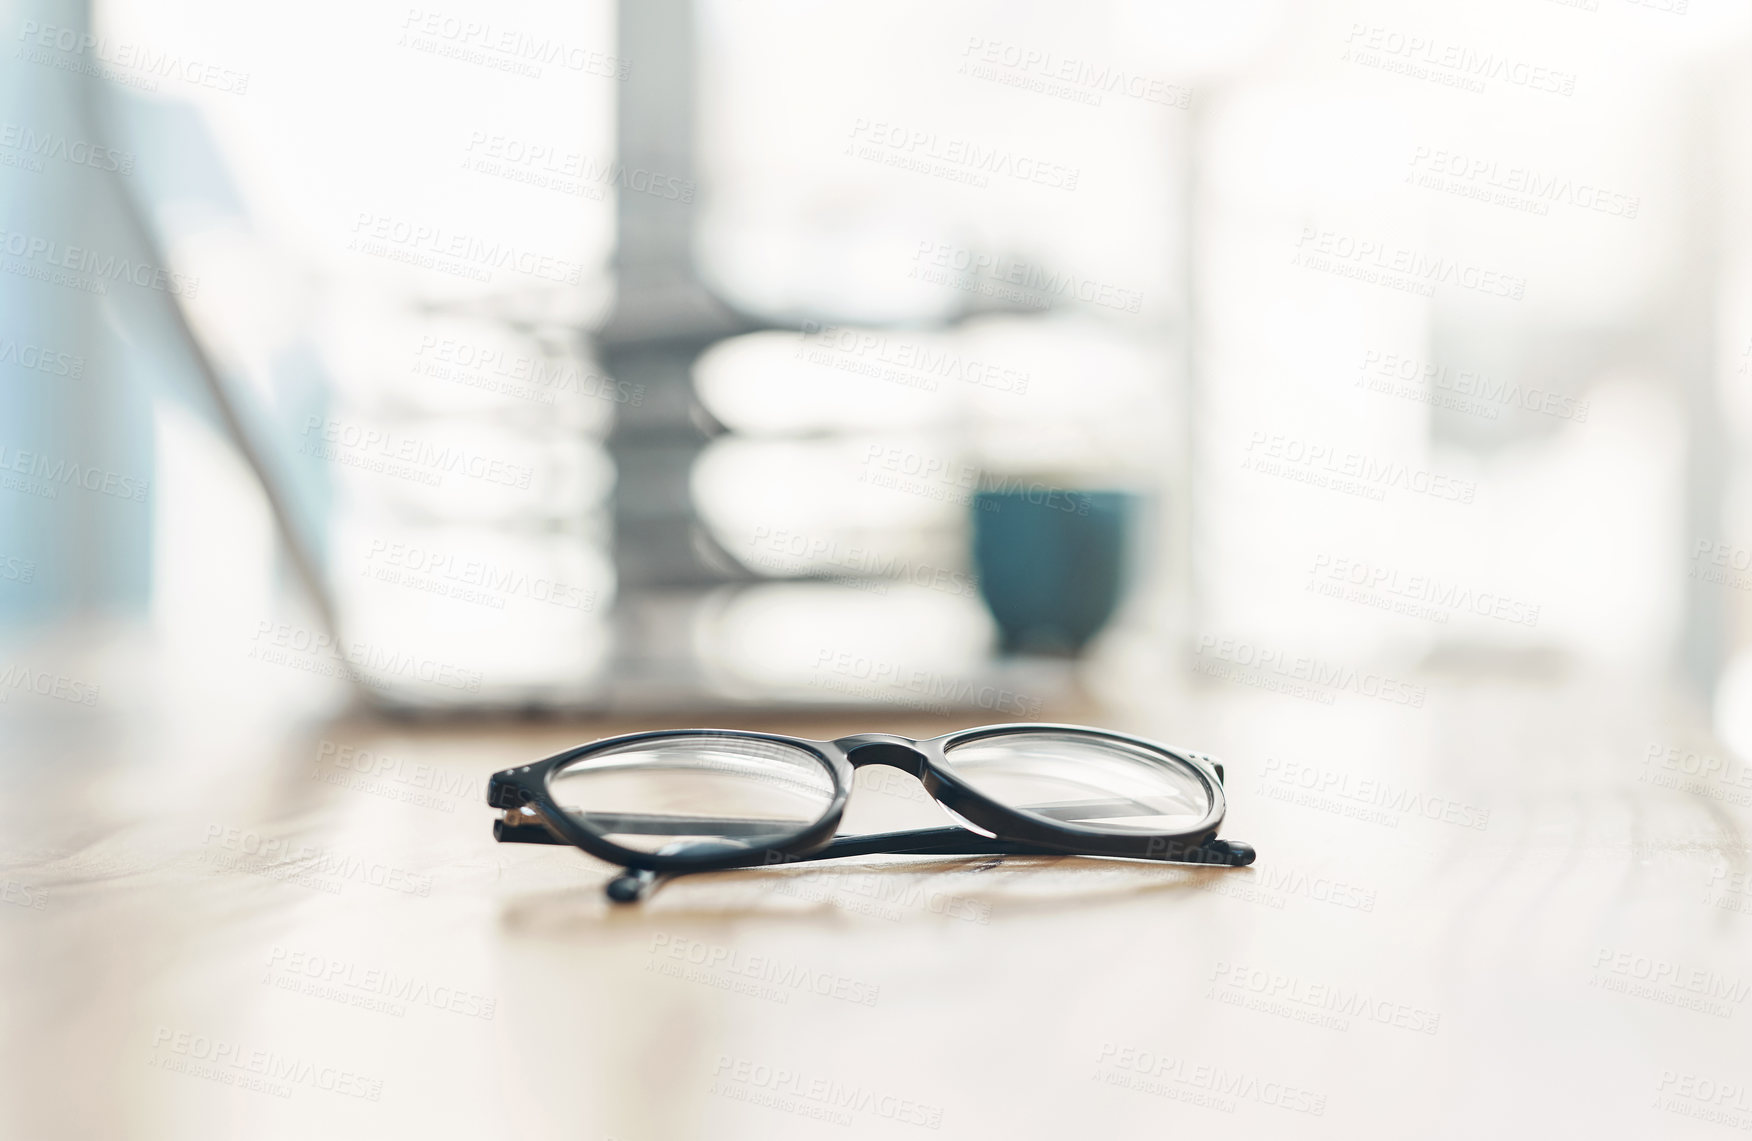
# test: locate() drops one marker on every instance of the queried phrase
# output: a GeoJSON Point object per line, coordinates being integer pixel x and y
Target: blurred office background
{"type": "Point", "coordinates": [577, 357]}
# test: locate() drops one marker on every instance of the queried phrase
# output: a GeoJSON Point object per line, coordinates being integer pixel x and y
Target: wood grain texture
{"type": "Point", "coordinates": [1503, 913]}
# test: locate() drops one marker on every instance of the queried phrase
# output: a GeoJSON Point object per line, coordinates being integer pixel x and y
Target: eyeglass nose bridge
{"type": "Point", "coordinates": [883, 749]}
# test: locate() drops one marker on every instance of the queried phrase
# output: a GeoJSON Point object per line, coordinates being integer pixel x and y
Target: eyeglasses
{"type": "Point", "coordinates": [697, 800]}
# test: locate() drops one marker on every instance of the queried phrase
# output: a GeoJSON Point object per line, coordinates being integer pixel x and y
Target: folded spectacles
{"type": "Point", "coordinates": [677, 802]}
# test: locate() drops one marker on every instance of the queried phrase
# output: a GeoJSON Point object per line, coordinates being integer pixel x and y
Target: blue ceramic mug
{"type": "Point", "coordinates": [1052, 563]}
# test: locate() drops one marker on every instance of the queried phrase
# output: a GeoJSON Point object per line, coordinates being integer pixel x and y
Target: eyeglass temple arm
{"type": "Point", "coordinates": [918, 841]}
{"type": "Point", "coordinates": [962, 842]}
{"type": "Point", "coordinates": [635, 884]}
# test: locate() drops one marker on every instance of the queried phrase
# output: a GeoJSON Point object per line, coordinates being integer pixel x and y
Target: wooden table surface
{"type": "Point", "coordinates": [1520, 909]}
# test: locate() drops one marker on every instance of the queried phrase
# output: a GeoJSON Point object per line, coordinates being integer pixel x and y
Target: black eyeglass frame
{"type": "Point", "coordinates": [533, 816]}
